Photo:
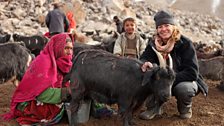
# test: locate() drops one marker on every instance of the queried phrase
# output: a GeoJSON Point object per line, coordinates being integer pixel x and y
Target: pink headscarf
{"type": "Point", "coordinates": [46, 71]}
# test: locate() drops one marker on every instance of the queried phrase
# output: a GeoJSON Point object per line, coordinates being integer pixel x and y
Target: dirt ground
{"type": "Point", "coordinates": [206, 111]}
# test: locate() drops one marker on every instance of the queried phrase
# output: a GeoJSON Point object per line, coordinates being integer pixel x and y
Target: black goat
{"type": "Point", "coordinates": [209, 71]}
{"type": "Point", "coordinates": [34, 43]}
{"type": "Point", "coordinates": [14, 60]}
{"type": "Point", "coordinates": [120, 80]}
{"type": "Point", "coordinates": [103, 46]}
{"type": "Point", "coordinates": [5, 38]}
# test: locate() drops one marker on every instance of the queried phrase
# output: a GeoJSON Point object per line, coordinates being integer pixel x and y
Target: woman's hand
{"type": "Point", "coordinates": [146, 66]}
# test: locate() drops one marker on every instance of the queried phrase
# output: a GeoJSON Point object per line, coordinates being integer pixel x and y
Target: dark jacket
{"type": "Point", "coordinates": [185, 62]}
{"type": "Point", "coordinates": [56, 21]}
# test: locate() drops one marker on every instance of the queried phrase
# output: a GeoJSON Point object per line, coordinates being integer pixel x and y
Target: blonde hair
{"type": "Point", "coordinates": [176, 33]}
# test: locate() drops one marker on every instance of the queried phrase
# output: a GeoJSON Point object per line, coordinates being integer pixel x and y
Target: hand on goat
{"type": "Point", "coordinates": [146, 66]}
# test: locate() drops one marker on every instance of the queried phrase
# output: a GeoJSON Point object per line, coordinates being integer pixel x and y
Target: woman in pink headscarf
{"type": "Point", "coordinates": [39, 97]}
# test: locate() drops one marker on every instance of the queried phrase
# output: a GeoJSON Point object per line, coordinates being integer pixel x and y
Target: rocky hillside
{"type": "Point", "coordinates": [94, 17]}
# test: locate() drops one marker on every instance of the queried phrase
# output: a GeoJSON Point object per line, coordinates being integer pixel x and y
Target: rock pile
{"type": "Point", "coordinates": [94, 17]}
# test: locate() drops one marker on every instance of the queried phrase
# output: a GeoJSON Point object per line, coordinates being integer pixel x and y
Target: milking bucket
{"type": "Point", "coordinates": [82, 114]}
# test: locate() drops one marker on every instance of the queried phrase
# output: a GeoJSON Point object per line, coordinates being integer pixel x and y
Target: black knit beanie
{"type": "Point", "coordinates": [163, 17]}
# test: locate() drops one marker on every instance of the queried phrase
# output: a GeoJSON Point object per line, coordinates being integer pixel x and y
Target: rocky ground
{"type": "Point", "coordinates": [206, 111]}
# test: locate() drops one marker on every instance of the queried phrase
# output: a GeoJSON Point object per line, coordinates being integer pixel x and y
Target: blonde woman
{"type": "Point", "coordinates": [178, 52]}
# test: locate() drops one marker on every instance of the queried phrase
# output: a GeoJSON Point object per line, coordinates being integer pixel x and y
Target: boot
{"type": "Point", "coordinates": [186, 115]}
{"type": "Point", "coordinates": [151, 113]}
{"type": "Point", "coordinates": [153, 108]}
{"type": "Point", "coordinates": [184, 109]}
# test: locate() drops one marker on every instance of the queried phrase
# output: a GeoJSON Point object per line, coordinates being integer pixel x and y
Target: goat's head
{"type": "Point", "coordinates": [160, 81]}
{"type": "Point", "coordinates": [15, 37]}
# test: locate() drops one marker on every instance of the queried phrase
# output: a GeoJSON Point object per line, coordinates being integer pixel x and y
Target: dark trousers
{"type": "Point", "coordinates": [183, 92]}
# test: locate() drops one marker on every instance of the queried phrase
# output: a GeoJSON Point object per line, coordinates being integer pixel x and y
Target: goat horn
{"type": "Point", "coordinates": [162, 62]}
{"type": "Point", "coordinates": [170, 61]}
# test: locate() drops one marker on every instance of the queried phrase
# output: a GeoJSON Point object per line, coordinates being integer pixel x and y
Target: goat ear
{"type": "Point", "coordinates": [147, 77]}
{"type": "Point", "coordinates": [150, 75]}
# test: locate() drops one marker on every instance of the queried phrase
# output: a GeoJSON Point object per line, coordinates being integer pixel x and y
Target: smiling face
{"type": "Point", "coordinates": [165, 31]}
{"type": "Point", "coordinates": [129, 27]}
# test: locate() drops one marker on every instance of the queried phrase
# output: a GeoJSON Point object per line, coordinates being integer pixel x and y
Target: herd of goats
{"type": "Point", "coordinates": [96, 63]}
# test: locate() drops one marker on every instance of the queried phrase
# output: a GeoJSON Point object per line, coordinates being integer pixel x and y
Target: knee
{"type": "Point", "coordinates": [185, 90]}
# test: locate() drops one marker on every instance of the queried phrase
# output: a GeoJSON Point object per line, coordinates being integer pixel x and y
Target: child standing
{"type": "Point", "coordinates": [129, 43]}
